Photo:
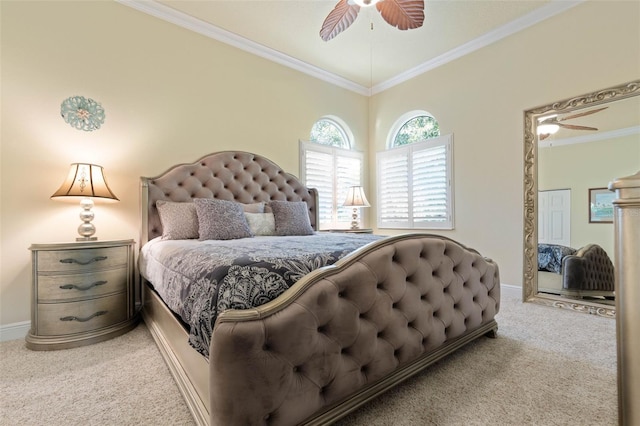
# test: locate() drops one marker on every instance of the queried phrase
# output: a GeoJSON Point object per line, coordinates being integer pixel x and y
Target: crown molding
{"type": "Point", "coordinates": [549, 10]}
{"type": "Point", "coordinates": [206, 29]}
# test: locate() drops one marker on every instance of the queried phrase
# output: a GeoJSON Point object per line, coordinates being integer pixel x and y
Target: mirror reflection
{"type": "Point", "coordinates": [578, 147]}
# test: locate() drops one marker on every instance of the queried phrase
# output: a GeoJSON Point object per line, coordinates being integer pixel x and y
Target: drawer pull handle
{"type": "Point", "coordinates": [97, 314]}
{"type": "Point", "coordinates": [85, 288]}
{"type": "Point", "coordinates": [80, 262]}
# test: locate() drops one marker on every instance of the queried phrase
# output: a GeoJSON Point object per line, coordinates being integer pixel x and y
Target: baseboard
{"type": "Point", "coordinates": [15, 331]}
{"type": "Point", "coordinates": [511, 290]}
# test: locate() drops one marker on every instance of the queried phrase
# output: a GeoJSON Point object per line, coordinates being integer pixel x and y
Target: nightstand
{"type": "Point", "coordinates": [81, 293]}
{"type": "Point", "coordinates": [353, 231]}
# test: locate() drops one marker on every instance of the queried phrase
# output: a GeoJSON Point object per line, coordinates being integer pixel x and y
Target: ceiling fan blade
{"type": "Point", "coordinates": [543, 136]}
{"type": "Point", "coordinates": [404, 14]}
{"type": "Point", "coordinates": [582, 114]}
{"type": "Point", "coordinates": [574, 127]}
{"type": "Point", "coordinates": [340, 18]}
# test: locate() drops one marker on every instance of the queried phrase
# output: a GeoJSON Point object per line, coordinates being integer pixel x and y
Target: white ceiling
{"type": "Point", "coordinates": [361, 59]}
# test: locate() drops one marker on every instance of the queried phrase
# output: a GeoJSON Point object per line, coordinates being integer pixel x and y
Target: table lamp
{"type": "Point", "coordinates": [355, 199]}
{"type": "Point", "coordinates": [86, 181]}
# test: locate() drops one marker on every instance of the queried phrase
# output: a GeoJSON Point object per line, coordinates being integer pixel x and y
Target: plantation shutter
{"type": "Point", "coordinates": [393, 188]}
{"type": "Point", "coordinates": [331, 171]}
{"type": "Point", "coordinates": [317, 166]}
{"type": "Point", "coordinates": [348, 174]}
{"type": "Point", "coordinates": [414, 185]}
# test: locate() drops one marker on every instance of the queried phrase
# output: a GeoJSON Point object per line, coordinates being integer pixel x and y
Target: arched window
{"type": "Point", "coordinates": [414, 126]}
{"type": "Point", "coordinates": [329, 131]}
{"type": "Point", "coordinates": [328, 164]}
{"type": "Point", "coordinates": [415, 175]}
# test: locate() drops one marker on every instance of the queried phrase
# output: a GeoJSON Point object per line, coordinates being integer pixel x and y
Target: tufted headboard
{"type": "Point", "coordinates": [228, 175]}
{"type": "Point", "coordinates": [589, 269]}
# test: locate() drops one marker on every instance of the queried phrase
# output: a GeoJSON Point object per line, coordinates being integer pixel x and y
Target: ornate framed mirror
{"type": "Point", "coordinates": [598, 120]}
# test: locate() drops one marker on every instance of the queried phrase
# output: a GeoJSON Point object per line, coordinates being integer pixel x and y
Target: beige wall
{"type": "Point", "coordinates": [170, 96]}
{"type": "Point", "coordinates": [481, 97]}
{"type": "Point", "coordinates": [583, 166]}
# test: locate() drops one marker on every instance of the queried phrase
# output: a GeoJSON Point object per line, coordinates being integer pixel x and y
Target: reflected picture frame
{"type": "Point", "coordinates": [601, 205]}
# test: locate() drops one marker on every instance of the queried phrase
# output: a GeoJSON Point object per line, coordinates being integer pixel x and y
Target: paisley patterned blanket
{"type": "Point", "coordinates": [550, 257]}
{"type": "Point", "coordinates": [200, 279]}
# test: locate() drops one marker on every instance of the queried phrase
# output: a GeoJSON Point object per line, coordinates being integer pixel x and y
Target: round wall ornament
{"type": "Point", "coordinates": [82, 113]}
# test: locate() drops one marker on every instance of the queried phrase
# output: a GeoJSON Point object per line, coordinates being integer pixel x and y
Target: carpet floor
{"type": "Point", "coordinates": [547, 367]}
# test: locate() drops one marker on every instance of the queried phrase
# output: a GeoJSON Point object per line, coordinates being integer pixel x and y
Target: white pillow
{"type": "Point", "coordinates": [261, 223]}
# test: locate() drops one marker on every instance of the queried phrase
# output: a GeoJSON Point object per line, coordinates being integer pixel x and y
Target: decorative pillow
{"type": "Point", "coordinates": [253, 208]}
{"type": "Point", "coordinates": [261, 223]}
{"type": "Point", "coordinates": [291, 217]}
{"type": "Point", "coordinates": [179, 220]}
{"type": "Point", "coordinates": [221, 220]}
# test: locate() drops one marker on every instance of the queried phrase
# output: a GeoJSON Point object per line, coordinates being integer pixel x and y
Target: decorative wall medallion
{"type": "Point", "coordinates": [82, 113]}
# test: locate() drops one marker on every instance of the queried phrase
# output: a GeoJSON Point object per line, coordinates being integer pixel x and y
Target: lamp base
{"type": "Point", "coordinates": [86, 228]}
{"type": "Point", "coordinates": [86, 238]}
{"type": "Point", "coordinates": [354, 219]}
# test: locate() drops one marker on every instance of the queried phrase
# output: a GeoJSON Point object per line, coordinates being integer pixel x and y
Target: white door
{"type": "Point", "coordinates": [554, 217]}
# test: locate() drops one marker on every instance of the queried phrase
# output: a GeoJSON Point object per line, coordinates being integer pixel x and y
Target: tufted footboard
{"type": "Point", "coordinates": [588, 272]}
{"type": "Point", "coordinates": [347, 332]}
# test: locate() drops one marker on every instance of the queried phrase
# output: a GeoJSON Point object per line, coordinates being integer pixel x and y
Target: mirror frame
{"type": "Point", "coordinates": [530, 264]}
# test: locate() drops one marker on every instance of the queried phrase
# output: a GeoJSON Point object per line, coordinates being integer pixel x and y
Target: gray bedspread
{"type": "Point", "coordinates": [200, 279]}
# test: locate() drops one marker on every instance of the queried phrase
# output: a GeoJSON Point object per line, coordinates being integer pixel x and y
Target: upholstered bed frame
{"type": "Point", "coordinates": [337, 338]}
{"type": "Point", "coordinates": [588, 273]}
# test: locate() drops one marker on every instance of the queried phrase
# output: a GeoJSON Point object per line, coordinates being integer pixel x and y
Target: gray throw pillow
{"type": "Point", "coordinates": [291, 217]}
{"type": "Point", "coordinates": [221, 220]}
{"type": "Point", "coordinates": [179, 220]}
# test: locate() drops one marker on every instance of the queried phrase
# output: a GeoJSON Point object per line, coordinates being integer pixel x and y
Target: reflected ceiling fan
{"type": "Point", "coordinates": [550, 124]}
{"type": "Point", "coordinates": [403, 14]}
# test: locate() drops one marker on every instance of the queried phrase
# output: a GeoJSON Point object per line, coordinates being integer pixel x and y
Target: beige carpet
{"type": "Point", "coordinates": [547, 367]}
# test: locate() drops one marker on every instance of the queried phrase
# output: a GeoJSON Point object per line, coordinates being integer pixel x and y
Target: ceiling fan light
{"type": "Point", "coordinates": [547, 129]}
{"type": "Point", "coordinates": [364, 3]}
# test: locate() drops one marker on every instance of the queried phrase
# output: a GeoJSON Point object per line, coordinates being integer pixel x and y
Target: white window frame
{"type": "Point", "coordinates": [339, 191]}
{"type": "Point", "coordinates": [407, 153]}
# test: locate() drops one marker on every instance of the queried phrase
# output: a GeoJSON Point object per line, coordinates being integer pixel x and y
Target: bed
{"type": "Point", "coordinates": [328, 341]}
{"type": "Point", "coordinates": [550, 257]}
{"type": "Point", "coordinates": [584, 273]}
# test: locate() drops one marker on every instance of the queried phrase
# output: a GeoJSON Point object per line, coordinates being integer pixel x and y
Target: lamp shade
{"type": "Point", "coordinates": [85, 180]}
{"type": "Point", "coordinates": [356, 197]}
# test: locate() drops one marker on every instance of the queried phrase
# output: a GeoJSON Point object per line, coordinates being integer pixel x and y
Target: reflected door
{"type": "Point", "coordinates": [554, 217]}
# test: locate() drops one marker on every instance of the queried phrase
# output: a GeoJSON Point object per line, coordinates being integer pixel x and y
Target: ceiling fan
{"type": "Point", "coordinates": [403, 14]}
{"type": "Point", "coordinates": [550, 124]}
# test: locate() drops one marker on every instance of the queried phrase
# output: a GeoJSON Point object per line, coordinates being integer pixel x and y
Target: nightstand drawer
{"type": "Point", "coordinates": [81, 260]}
{"type": "Point", "coordinates": [55, 288]}
{"type": "Point", "coordinates": [76, 317]}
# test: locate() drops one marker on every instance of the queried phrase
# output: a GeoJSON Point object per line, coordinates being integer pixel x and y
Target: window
{"type": "Point", "coordinates": [416, 129]}
{"type": "Point", "coordinates": [326, 165]}
{"type": "Point", "coordinates": [329, 131]}
{"type": "Point", "coordinates": [415, 188]}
